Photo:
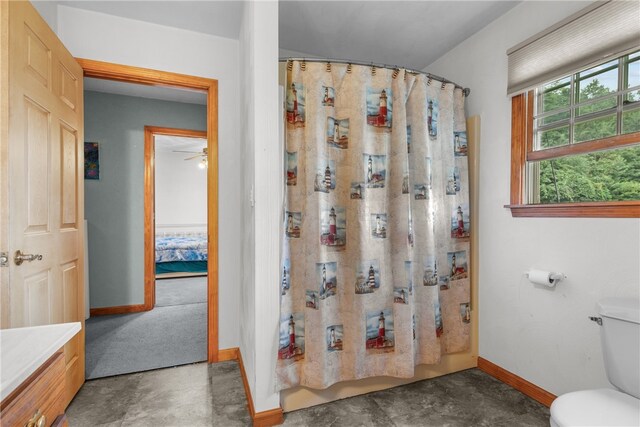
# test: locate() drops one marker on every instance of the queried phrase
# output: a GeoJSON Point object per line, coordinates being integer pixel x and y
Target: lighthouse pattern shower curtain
{"type": "Point", "coordinates": [375, 262]}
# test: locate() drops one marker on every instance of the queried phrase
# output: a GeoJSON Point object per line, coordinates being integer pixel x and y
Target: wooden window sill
{"type": "Point", "coordinates": [626, 209]}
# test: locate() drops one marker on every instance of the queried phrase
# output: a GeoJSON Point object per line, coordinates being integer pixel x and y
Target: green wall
{"type": "Point", "coordinates": [114, 204]}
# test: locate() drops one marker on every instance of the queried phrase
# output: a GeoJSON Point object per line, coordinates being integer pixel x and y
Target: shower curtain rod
{"type": "Point", "coordinates": [465, 90]}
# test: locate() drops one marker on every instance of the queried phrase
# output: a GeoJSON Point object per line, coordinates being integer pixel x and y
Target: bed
{"type": "Point", "coordinates": [181, 253]}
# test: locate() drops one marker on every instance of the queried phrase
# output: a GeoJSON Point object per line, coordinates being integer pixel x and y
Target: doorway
{"type": "Point", "coordinates": [140, 76]}
{"type": "Point", "coordinates": [175, 206]}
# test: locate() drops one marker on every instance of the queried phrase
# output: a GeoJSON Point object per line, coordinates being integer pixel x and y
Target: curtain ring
{"type": "Point", "coordinates": [429, 81]}
{"type": "Point", "coordinates": [405, 75]}
{"type": "Point", "coordinates": [349, 68]}
{"type": "Point", "coordinates": [395, 73]}
{"type": "Point", "coordinates": [442, 86]}
{"type": "Point", "coordinates": [289, 65]}
{"type": "Point", "coordinates": [373, 70]}
{"type": "Point", "coordinates": [328, 67]}
{"type": "Point", "coordinates": [303, 65]}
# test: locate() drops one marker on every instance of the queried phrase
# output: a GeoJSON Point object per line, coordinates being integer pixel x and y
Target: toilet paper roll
{"type": "Point", "coordinates": [545, 278]}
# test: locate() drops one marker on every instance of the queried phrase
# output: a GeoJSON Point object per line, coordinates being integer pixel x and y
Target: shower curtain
{"type": "Point", "coordinates": [375, 273]}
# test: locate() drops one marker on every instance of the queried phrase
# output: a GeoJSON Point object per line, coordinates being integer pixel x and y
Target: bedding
{"type": "Point", "coordinates": [181, 267]}
{"type": "Point", "coordinates": [181, 253]}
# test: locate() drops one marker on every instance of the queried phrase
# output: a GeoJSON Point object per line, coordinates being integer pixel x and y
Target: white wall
{"type": "Point", "coordinates": [49, 12]}
{"type": "Point", "coordinates": [181, 190]}
{"type": "Point", "coordinates": [124, 41]}
{"type": "Point", "coordinates": [247, 135]}
{"type": "Point", "coordinates": [269, 192]}
{"type": "Point", "coordinates": [262, 166]}
{"type": "Point", "coordinates": [114, 204]}
{"type": "Point", "coordinates": [541, 335]}
{"type": "Point", "coordinates": [286, 53]}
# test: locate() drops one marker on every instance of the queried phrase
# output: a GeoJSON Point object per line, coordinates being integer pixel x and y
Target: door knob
{"type": "Point", "coordinates": [19, 258]}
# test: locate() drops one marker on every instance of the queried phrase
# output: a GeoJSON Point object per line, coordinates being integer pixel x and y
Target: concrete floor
{"type": "Point", "coordinates": [213, 395]}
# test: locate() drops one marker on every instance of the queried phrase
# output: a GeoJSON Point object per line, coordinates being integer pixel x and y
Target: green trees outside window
{"type": "Point", "coordinates": [592, 105]}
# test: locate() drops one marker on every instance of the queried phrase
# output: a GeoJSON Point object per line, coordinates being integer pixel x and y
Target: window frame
{"type": "Point", "coordinates": [522, 152]}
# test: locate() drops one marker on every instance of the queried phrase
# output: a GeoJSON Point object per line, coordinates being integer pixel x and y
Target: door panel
{"type": "Point", "coordinates": [45, 191]}
{"type": "Point", "coordinates": [69, 176]}
{"type": "Point", "coordinates": [68, 250]}
{"type": "Point", "coordinates": [36, 168]}
{"type": "Point", "coordinates": [68, 88]}
{"type": "Point", "coordinates": [38, 56]}
{"type": "Point", "coordinates": [73, 298]}
{"type": "Point", "coordinates": [38, 296]}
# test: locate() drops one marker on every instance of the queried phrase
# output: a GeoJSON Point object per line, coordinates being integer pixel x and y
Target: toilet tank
{"type": "Point", "coordinates": [620, 337]}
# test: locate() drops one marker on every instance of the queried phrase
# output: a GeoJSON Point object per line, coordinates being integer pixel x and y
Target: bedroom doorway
{"type": "Point", "coordinates": [138, 304]}
{"type": "Point", "coordinates": [175, 206]}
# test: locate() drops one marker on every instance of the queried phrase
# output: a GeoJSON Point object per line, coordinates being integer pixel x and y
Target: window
{"type": "Point", "coordinates": [576, 144]}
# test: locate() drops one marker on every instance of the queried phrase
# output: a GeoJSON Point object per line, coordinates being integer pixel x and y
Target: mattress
{"type": "Point", "coordinates": [181, 248]}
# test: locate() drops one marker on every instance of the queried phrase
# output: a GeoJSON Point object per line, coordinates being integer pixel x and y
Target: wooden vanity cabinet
{"type": "Point", "coordinates": [39, 400]}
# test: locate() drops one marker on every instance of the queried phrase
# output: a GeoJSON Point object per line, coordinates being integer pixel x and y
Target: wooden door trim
{"type": "Point", "coordinates": [5, 320]}
{"type": "Point", "coordinates": [117, 309]}
{"type": "Point", "coordinates": [129, 74]}
{"type": "Point", "coordinates": [150, 204]}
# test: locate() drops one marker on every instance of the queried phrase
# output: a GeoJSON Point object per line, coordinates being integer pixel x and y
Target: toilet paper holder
{"type": "Point", "coordinates": [553, 276]}
{"type": "Point", "coordinates": [546, 278]}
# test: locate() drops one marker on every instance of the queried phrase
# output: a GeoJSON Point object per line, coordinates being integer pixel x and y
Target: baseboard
{"type": "Point", "coordinates": [120, 309]}
{"type": "Point", "coordinates": [520, 384]}
{"type": "Point", "coordinates": [245, 382]}
{"type": "Point", "coordinates": [179, 275]}
{"type": "Point", "coordinates": [269, 418]}
{"type": "Point", "coordinates": [228, 354]}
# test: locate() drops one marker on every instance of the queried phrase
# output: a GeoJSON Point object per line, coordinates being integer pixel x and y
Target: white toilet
{"type": "Point", "coordinates": [620, 337]}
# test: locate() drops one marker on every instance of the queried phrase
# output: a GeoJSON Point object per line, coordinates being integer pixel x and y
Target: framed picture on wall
{"type": "Point", "coordinates": [91, 160]}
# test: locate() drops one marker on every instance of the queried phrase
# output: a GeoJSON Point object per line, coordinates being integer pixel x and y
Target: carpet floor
{"type": "Point", "coordinates": [173, 333]}
{"type": "Point", "coordinates": [183, 291]}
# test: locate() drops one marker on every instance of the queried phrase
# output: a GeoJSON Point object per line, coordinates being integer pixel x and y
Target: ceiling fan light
{"type": "Point", "coordinates": [202, 164]}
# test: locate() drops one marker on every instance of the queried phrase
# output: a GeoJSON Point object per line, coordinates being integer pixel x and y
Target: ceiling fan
{"type": "Point", "coordinates": [202, 153]}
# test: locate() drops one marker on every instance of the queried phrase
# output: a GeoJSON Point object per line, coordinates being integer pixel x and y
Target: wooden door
{"type": "Point", "coordinates": [43, 142]}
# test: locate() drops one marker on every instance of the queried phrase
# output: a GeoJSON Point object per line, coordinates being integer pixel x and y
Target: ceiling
{"type": "Point", "coordinates": [144, 91]}
{"type": "Point", "coordinates": [218, 18]}
{"type": "Point", "coordinates": [166, 143]}
{"type": "Point", "coordinates": [410, 34]}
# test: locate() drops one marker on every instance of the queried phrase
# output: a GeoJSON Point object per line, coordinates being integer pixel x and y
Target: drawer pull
{"type": "Point", "coordinates": [38, 420]}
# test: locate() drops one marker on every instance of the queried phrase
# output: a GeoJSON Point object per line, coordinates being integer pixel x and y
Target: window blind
{"type": "Point", "coordinates": [602, 30]}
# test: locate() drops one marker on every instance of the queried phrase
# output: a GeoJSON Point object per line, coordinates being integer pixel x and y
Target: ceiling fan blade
{"type": "Point", "coordinates": [189, 152]}
{"type": "Point", "coordinates": [193, 157]}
